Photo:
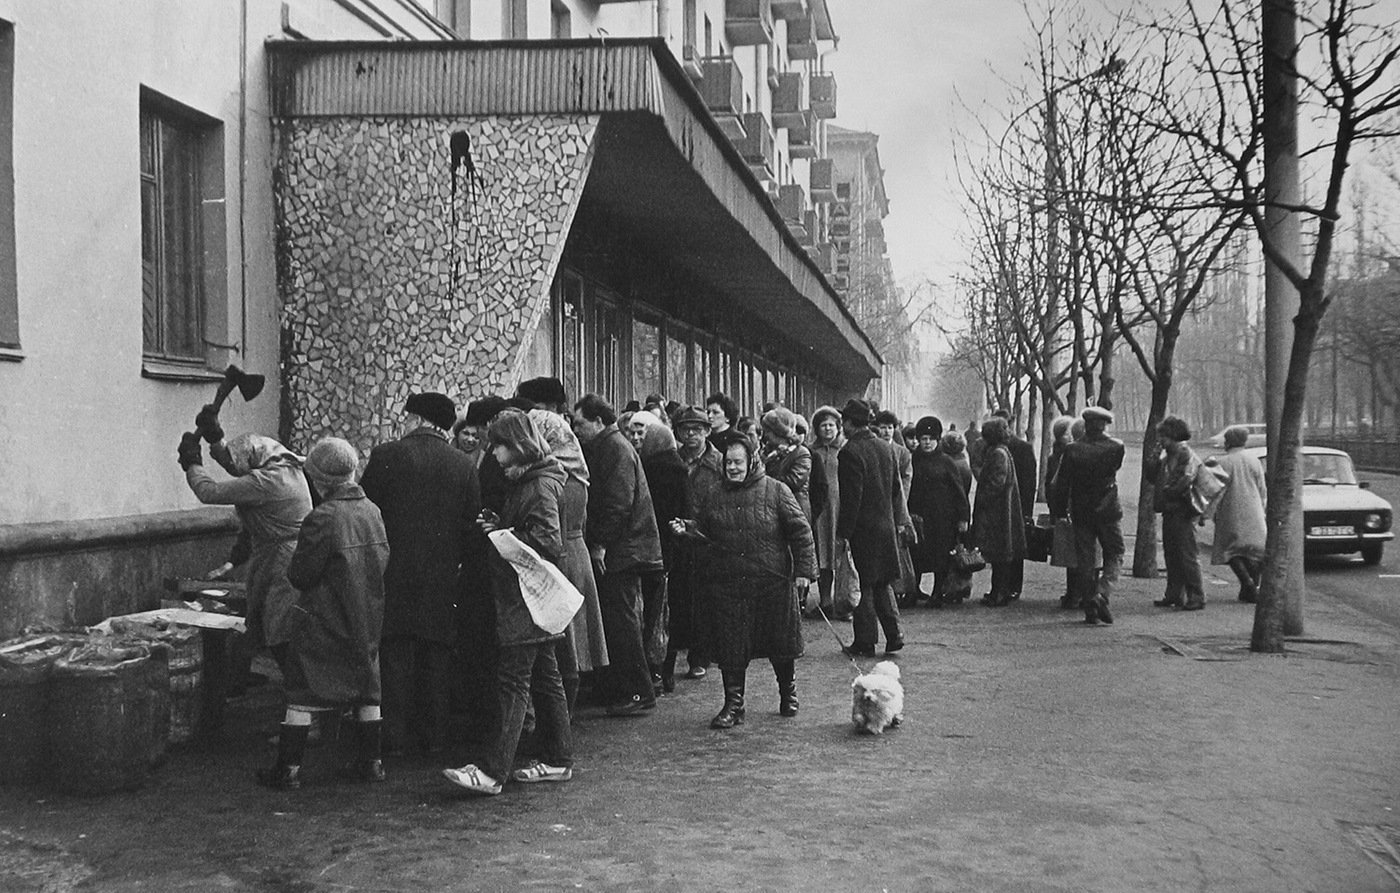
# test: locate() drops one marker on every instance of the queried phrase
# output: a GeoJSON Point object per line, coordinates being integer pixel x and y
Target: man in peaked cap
{"type": "Point", "coordinates": [429, 496]}
{"type": "Point", "coordinates": [1087, 485]}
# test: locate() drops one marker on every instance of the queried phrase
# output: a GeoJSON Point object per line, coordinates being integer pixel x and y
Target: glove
{"type": "Point", "coordinates": [189, 452]}
{"type": "Point", "coordinates": [207, 424]}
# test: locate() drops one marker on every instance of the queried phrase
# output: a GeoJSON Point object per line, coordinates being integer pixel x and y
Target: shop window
{"type": "Point", "coordinates": [560, 21]}
{"type": "Point", "coordinates": [568, 328]}
{"type": "Point", "coordinates": [182, 232]}
{"type": "Point", "coordinates": [608, 322]}
{"type": "Point", "coordinates": [700, 362]}
{"type": "Point", "coordinates": [457, 15]}
{"type": "Point", "coordinates": [9, 295]}
{"type": "Point", "coordinates": [646, 359]}
{"type": "Point", "coordinates": [677, 366]}
{"type": "Point", "coordinates": [514, 19]}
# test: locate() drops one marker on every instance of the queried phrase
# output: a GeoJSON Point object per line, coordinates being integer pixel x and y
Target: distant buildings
{"type": "Point", "coordinates": [349, 198]}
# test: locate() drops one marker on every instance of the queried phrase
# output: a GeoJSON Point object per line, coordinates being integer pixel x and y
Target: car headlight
{"type": "Point", "coordinates": [1373, 521]}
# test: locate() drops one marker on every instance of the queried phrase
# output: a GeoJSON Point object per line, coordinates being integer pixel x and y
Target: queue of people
{"type": "Point", "coordinates": [684, 529]}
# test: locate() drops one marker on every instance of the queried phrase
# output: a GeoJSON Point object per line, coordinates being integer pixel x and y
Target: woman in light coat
{"type": "Point", "coordinates": [1239, 515]}
{"type": "Point", "coordinates": [837, 586]}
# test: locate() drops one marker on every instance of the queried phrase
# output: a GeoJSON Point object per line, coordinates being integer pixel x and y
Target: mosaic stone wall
{"type": "Point", "coordinates": [405, 264]}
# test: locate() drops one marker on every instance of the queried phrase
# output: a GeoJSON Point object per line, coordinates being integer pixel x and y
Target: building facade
{"type": "Point", "coordinates": [362, 199]}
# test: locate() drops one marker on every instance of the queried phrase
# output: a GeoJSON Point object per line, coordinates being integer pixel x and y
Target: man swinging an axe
{"type": "Point", "coordinates": [270, 494]}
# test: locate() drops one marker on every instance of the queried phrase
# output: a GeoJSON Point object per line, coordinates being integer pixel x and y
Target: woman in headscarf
{"type": "Point", "coordinates": [583, 649]}
{"type": "Point", "coordinates": [760, 544]}
{"type": "Point", "coordinates": [527, 666]}
{"type": "Point", "coordinates": [333, 658]}
{"type": "Point", "coordinates": [837, 586]}
{"type": "Point", "coordinates": [998, 528]}
{"type": "Point", "coordinates": [269, 492]}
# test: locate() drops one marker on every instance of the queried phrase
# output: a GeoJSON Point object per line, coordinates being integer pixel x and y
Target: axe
{"type": "Point", "coordinates": [248, 384]}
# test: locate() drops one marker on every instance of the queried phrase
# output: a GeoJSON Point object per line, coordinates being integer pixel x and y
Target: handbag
{"type": "Point", "coordinates": [1207, 488]}
{"type": "Point", "coordinates": [967, 559]}
{"type": "Point", "coordinates": [1038, 541]}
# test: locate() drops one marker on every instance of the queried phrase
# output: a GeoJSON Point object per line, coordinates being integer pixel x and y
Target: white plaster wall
{"type": "Point", "coordinates": [82, 433]}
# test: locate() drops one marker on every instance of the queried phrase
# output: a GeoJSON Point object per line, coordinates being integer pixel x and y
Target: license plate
{"type": "Point", "coordinates": [1334, 531]}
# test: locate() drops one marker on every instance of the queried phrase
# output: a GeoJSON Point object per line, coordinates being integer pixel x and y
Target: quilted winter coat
{"type": "Point", "coordinates": [760, 541]}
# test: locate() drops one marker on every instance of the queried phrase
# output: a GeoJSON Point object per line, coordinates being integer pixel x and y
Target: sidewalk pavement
{"type": "Point", "coordinates": [1037, 754]}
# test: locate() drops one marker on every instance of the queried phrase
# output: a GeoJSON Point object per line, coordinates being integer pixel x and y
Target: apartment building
{"type": "Point", "coordinates": [359, 199]}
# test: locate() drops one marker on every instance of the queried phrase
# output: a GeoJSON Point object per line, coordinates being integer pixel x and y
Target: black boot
{"type": "Point", "coordinates": [368, 764]}
{"type": "Point", "coordinates": [668, 672]}
{"type": "Point", "coordinates": [1091, 610]}
{"type": "Point", "coordinates": [786, 673]}
{"type": "Point", "coordinates": [285, 774]}
{"type": "Point", "coordinates": [732, 714]}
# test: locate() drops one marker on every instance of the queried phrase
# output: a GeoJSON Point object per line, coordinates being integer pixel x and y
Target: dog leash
{"type": "Point", "coordinates": [705, 540]}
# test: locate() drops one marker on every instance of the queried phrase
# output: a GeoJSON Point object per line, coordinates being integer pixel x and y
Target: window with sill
{"type": "Point", "coordinates": [183, 262]}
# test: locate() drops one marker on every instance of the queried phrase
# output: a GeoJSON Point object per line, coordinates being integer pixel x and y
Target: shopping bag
{"type": "Point", "coordinates": [1062, 549]}
{"type": "Point", "coordinates": [1207, 487]}
{"type": "Point", "coordinates": [551, 599]}
{"type": "Point", "coordinates": [1037, 541]}
{"type": "Point", "coordinates": [967, 559]}
{"type": "Point", "coordinates": [908, 583]}
{"type": "Point", "coordinates": [957, 586]}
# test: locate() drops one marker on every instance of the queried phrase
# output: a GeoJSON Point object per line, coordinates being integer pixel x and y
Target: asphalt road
{"type": "Point", "coordinates": [1374, 591]}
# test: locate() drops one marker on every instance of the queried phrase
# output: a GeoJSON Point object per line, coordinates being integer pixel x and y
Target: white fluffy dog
{"type": "Point", "coordinates": [877, 698]}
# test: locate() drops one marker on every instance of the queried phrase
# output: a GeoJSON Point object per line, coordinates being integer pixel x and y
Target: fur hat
{"type": "Point", "coordinates": [1097, 412]}
{"type": "Point", "coordinates": [929, 426]}
{"type": "Point", "coordinates": [332, 461]}
{"type": "Point", "coordinates": [436, 409]}
{"type": "Point", "coordinates": [692, 416]}
{"type": "Point", "coordinates": [544, 390]}
{"type": "Point", "coordinates": [481, 412]}
{"type": "Point", "coordinates": [780, 422]}
{"type": "Point", "coordinates": [826, 412]}
{"type": "Point", "coordinates": [857, 412]}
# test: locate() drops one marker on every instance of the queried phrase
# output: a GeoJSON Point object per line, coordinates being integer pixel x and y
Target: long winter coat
{"type": "Point", "coordinates": [824, 525]}
{"type": "Point", "coordinates": [1239, 515]}
{"type": "Point", "coordinates": [590, 646]}
{"type": "Point", "coordinates": [761, 543]}
{"type": "Point", "coordinates": [531, 511]}
{"type": "Point", "coordinates": [998, 527]}
{"type": "Point", "coordinates": [620, 514]}
{"type": "Point", "coordinates": [1023, 458]}
{"type": "Point", "coordinates": [793, 466]}
{"type": "Point", "coordinates": [271, 502]}
{"type": "Point", "coordinates": [940, 497]}
{"type": "Point", "coordinates": [339, 567]}
{"type": "Point", "coordinates": [872, 506]}
{"type": "Point", "coordinates": [690, 560]}
{"type": "Point", "coordinates": [428, 493]}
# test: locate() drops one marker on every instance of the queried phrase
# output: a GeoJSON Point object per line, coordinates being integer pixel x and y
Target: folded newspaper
{"type": "Point", "coordinates": [551, 598]}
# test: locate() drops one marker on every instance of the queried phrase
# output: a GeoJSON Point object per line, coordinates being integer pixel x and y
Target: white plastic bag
{"type": "Point", "coordinates": [552, 599]}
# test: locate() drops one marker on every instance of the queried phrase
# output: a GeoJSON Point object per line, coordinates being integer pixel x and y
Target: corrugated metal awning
{"type": "Point", "coordinates": [737, 241]}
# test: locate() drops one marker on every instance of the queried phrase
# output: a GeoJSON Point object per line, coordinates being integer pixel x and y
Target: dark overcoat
{"type": "Point", "coordinates": [531, 511]}
{"type": "Point", "coordinates": [761, 542]}
{"type": "Point", "coordinates": [428, 493]}
{"type": "Point", "coordinates": [940, 497]}
{"type": "Point", "coordinates": [338, 566]}
{"type": "Point", "coordinates": [620, 514]}
{"type": "Point", "coordinates": [998, 527]}
{"type": "Point", "coordinates": [871, 491]}
{"type": "Point", "coordinates": [793, 467]}
{"type": "Point", "coordinates": [1027, 473]}
{"type": "Point", "coordinates": [1086, 481]}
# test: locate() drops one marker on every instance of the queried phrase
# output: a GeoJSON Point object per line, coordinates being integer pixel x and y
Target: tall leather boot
{"type": "Point", "coordinates": [368, 764]}
{"type": "Point", "coordinates": [732, 713]}
{"type": "Point", "coordinates": [786, 673]}
{"type": "Point", "coordinates": [285, 774]}
{"type": "Point", "coordinates": [668, 671]}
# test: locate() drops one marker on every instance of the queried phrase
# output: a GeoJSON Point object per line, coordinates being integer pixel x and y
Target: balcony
{"type": "Point", "coordinates": [841, 207]}
{"type": "Point", "coordinates": [840, 227]}
{"type": "Point", "coordinates": [824, 257]}
{"type": "Point", "coordinates": [823, 91]}
{"type": "Point", "coordinates": [722, 88]}
{"type": "Point", "coordinates": [756, 147]}
{"type": "Point", "coordinates": [792, 204]}
{"type": "Point", "coordinates": [811, 223]}
{"type": "Point", "coordinates": [843, 191]}
{"type": "Point", "coordinates": [790, 100]}
{"type": "Point", "coordinates": [802, 38]}
{"type": "Point", "coordinates": [841, 282]}
{"type": "Point", "coordinates": [843, 263]}
{"type": "Point", "coordinates": [801, 142]}
{"type": "Point", "coordinates": [748, 23]}
{"type": "Point", "coordinates": [789, 9]}
{"type": "Point", "coordinates": [692, 62]}
{"type": "Point", "coordinates": [822, 181]}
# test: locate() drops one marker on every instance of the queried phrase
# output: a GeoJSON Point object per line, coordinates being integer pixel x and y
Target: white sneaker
{"type": "Point", "coordinates": [538, 771]}
{"type": "Point", "coordinates": [473, 779]}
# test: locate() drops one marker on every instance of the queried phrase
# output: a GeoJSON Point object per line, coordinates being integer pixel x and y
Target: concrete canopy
{"type": "Point", "coordinates": [662, 165]}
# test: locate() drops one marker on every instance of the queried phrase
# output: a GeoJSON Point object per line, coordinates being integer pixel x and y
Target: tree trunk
{"type": "Point", "coordinates": [1145, 550]}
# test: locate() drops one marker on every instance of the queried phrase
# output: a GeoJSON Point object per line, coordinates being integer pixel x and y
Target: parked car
{"type": "Point", "coordinates": [1258, 432]}
{"type": "Point", "coordinates": [1340, 514]}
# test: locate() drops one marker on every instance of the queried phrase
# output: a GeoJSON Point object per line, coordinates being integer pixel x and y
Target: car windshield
{"type": "Point", "coordinates": [1324, 468]}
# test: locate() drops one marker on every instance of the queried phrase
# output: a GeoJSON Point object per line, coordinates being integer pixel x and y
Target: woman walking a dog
{"type": "Point", "coordinates": [760, 543]}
